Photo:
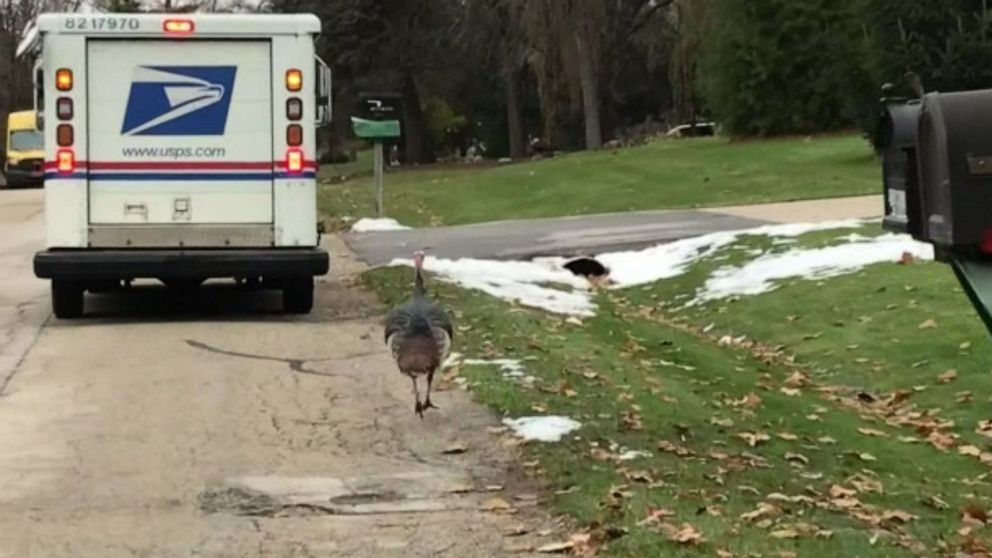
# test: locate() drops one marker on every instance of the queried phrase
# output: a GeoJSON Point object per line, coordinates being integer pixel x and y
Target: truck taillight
{"type": "Point", "coordinates": [294, 79]}
{"type": "Point", "coordinates": [294, 108]}
{"type": "Point", "coordinates": [178, 26]}
{"type": "Point", "coordinates": [294, 160]}
{"type": "Point", "coordinates": [294, 135]}
{"type": "Point", "coordinates": [63, 79]}
{"type": "Point", "coordinates": [64, 135]}
{"type": "Point", "coordinates": [66, 160]}
{"type": "Point", "coordinates": [63, 108]}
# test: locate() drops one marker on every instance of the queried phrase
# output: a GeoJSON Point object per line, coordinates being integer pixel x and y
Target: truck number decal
{"type": "Point", "coordinates": [102, 23]}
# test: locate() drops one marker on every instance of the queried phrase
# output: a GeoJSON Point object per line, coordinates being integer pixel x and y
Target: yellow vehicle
{"type": "Point", "coordinates": [24, 160]}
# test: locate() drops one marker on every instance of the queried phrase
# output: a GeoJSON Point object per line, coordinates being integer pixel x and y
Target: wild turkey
{"type": "Point", "coordinates": [419, 335]}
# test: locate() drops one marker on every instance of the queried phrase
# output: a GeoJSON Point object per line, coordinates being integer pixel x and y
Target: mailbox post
{"type": "Point", "coordinates": [379, 122]}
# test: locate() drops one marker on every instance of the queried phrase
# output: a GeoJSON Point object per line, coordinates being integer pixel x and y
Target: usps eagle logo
{"type": "Point", "coordinates": [179, 101]}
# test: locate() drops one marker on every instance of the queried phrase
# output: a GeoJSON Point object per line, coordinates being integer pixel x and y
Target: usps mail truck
{"type": "Point", "coordinates": [180, 148]}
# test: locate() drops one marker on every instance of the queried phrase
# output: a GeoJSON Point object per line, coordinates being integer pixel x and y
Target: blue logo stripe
{"type": "Point", "coordinates": [179, 101]}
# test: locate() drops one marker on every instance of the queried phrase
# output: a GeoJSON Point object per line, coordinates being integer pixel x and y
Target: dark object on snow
{"type": "Point", "coordinates": [587, 267]}
{"type": "Point", "coordinates": [419, 335]}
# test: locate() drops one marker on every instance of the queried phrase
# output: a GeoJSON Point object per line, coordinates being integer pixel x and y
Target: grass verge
{"type": "Point", "coordinates": [818, 419]}
{"type": "Point", "coordinates": [662, 175]}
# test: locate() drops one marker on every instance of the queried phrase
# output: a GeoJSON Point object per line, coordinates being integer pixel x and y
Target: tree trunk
{"type": "Point", "coordinates": [418, 147]}
{"type": "Point", "coordinates": [590, 91]}
{"type": "Point", "coordinates": [513, 118]}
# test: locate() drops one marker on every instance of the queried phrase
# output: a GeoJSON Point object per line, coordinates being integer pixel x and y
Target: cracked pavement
{"type": "Point", "coordinates": [222, 428]}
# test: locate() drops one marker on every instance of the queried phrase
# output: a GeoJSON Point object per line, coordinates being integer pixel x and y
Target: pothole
{"type": "Point", "coordinates": [367, 498]}
{"type": "Point", "coordinates": [293, 496]}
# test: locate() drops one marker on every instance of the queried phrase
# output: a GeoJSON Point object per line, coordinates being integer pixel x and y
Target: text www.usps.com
{"type": "Point", "coordinates": [173, 152]}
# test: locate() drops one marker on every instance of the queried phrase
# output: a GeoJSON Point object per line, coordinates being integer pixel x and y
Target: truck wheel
{"type": "Point", "coordinates": [297, 295]}
{"type": "Point", "coordinates": [67, 299]}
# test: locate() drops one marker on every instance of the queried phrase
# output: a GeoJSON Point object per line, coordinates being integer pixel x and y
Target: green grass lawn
{"type": "Point", "coordinates": [834, 429]}
{"type": "Point", "coordinates": [661, 175]}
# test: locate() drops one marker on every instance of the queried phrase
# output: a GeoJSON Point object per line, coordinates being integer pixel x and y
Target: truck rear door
{"type": "Point", "coordinates": [180, 132]}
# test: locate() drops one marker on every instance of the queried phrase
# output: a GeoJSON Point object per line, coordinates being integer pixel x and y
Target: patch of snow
{"type": "Point", "coordinates": [523, 282]}
{"type": "Point", "coordinates": [544, 283]}
{"type": "Point", "coordinates": [542, 429]}
{"type": "Point", "coordinates": [377, 225]}
{"type": "Point", "coordinates": [637, 267]}
{"type": "Point", "coordinates": [758, 276]}
{"type": "Point", "coordinates": [511, 368]}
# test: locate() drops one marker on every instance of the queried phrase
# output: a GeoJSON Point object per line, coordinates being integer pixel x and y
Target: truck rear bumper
{"type": "Point", "coordinates": [86, 264]}
{"type": "Point", "coordinates": [19, 177]}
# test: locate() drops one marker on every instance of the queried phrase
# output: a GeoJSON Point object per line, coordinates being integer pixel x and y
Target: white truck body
{"type": "Point", "coordinates": [180, 148]}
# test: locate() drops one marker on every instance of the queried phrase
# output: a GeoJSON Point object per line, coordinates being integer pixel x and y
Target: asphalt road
{"type": "Point", "coordinates": [211, 425]}
{"type": "Point", "coordinates": [588, 235]}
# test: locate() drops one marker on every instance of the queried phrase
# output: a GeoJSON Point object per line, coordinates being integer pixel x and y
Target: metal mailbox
{"type": "Point", "coordinates": [897, 141]}
{"type": "Point", "coordinates": [954, 157]}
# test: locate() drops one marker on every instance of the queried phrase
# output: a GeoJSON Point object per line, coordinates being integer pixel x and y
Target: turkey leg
{"type": "Point", "coordinates": [427, 402]}
{"type": "Point", "coordinates": [418, 409]}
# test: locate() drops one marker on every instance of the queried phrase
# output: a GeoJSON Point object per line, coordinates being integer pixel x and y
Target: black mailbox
{"type": "Point", "coordinates": [897, 141]}
{"type": "Point", "coordinates": [381, 106]}
{"type": "Point", "coordinates": [954, 155]}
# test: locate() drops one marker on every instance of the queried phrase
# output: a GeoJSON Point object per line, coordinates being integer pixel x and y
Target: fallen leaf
{"type": "Point", "coordinates": [872, 432]}
{"type": "Point", "coordinates": [797, 379]}
{"type": "Point", "coordinates": [517, 531]}
{"type": "Point", "coordinates": [750, 400]}
{"type": "Point", "coordinates": [898, 515]}
{"type": "Point", "coordinates": [827, 440]}
{"type": "Point", "coordinates": [724, 422]}
{"type": "Point", "coordinates": [864, 484]}
{"type": "Point", "coordinates": [845, 503]}
{"type": "Point", "coordinates": [721, 553]}
{"type": "Point", "coordinates": [785, 534]}
{"type": "Point", "coordinates": [788, 436]}
{"type": "Point", "coordinates": [753, 438]}
{"type": "Point", "coordinates": [865, 456]}
{"type": "Point", "coordinates": [655, 516]}
{"type": "Point", "coordinates": [686, 534]}
{"type": "Point", "coordinates": [600, 454]}
{"type": "Point", "coordinates": [556, 548]}
{"type": "Point", "coordinates": [461, 489]}
{"type": "Point", "coordinates": [985, 428]}
{"type": "Point", "coordinates": [496, 504]}
{"type": "Point", "coordinates": [974, 513]}
{"type": "Point", "coordinates": [942, 440]}
{"type": "Point", "coordinates": [639, 476]}
{"type": "Point", "coordinates": [455, 448]}
{"type": "Point", "coordinates": [936, 503]}
{"type": "Point", "coordinates": [965, 346]}
{"type": "Point", "coordinates": [928, 324]}
{"type": "Point", "coordinates": [763, 510]}
{"type": "Point", "coordinates": [838, 491]}
{"type": "Point", "coordinates": [970, 451]}
{"type": "Point", "coordinates": [791, 392]}
{"type": "Point", "coordinates": [947, 377]}
{"type": "Point", "coordinates": [678, 450]}
{"type": "Point", "coordinates": [797, 457]}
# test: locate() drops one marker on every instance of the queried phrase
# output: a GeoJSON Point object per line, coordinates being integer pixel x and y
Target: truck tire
{"type": "Point", "coordinates": [297, 295]}
{"type": "Point", "coordinates": [67, 299]}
